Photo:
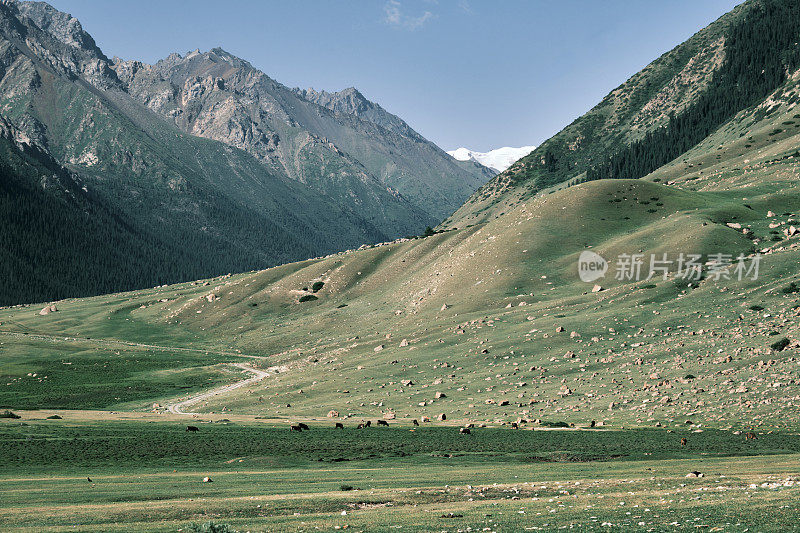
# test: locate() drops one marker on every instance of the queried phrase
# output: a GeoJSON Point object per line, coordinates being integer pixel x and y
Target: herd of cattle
{"type": "Point", "coordinates": [300, 426]}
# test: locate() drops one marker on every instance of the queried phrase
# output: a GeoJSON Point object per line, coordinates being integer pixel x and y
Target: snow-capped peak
{"type": "Point", "coordinates": [498, 159]}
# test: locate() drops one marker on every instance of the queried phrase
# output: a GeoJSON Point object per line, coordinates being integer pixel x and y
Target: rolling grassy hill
{"type": "Point", "coordinates": [473, 314]}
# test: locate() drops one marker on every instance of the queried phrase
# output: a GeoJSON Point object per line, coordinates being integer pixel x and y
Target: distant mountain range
{"type": "Point", "coordinates": [498, 159]}
{"type": "Point", "coordinates": [201, 156]}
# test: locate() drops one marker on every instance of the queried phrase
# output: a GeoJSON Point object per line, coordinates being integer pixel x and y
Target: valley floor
{"type": "Point", "coordinates": [147, 475]}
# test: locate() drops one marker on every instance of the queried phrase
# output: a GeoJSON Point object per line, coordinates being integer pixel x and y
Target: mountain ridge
{"type": "Point", "coordinates": [212, 201]}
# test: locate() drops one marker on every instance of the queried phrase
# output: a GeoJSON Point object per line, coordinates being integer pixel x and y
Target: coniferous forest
{"type": "Point", "coordinates": [752, 70]}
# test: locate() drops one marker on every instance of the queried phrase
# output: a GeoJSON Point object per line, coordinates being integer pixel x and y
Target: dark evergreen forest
{"type": "Point", "coordinates": [760, 52]}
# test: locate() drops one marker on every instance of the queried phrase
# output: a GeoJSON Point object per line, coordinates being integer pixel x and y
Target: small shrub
{"type": "Point", "coordinates": [790, 289]}
{"type": "Point", "coordinates": [346, 487]}
{"type": "Point", "coordinates": [54, 417]}
{"type": "Point", "coordinates": [308, 298]}
{"type": "Point", "coordinates": [555, 424]}
{"type": "Point", "coordinates": [756, 308]}
{"type": "Point", "coordinates": [210, 527]}
{"type": "Point", "coordinates": [9, 414]}
{"type": "Point", "coordinates": [690, 376]}
{"type": "Point", "coordinates": [341, 306]}
{"type": "Point", "coordinates": [317, 286]}
{"type": "Point", "coordinates": [780, 345]}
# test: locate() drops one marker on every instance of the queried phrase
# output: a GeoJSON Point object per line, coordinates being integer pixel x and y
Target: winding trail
{"type": "Point", "coordinates": [258, 375]}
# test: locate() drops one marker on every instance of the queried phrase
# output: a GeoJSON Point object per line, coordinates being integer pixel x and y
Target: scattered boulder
{"type": "Point", "coordinates": [439, 395]}
{"type": "Point", "coordinates": [333, 414]}
{"type": "Point", "coordinates": [48, 309]}
{"type": "Point", "coordinates": [695, 473]}
{"type": "Point", "coordinates": [379, 347]}
{"type": "Point", "coordinates": [442, 417]}
{"type": "Point", "coordinates": [597, 288]}
{"type": "Point", "coordinates": [207, 480]}
{"type": "Point", "coordinates": [404, 343]}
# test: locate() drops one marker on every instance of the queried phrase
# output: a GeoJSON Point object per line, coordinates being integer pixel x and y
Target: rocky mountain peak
{"type": "Point", "coordinates": [351, 101]}
{"type": "Point", "coordinates": [61, 26]}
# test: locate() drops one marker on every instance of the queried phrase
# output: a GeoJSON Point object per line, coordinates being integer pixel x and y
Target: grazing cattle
{"type": "Point", "coordinates": [470, 425]}
{"type": "Point", "coordinates": [593, 424]}
{"type": "Point", "coordinates": [303, 426]}
{"type": "Point", "coordinates": [360, 426]}
{"type": "Point", "coordinates": [514, 425]}
{"type": "Point", "coordinates": [465, 431]}
{"type": "Point", "coordinates": [750, 436]}
{"type": "Point", "coordinates": [339, 425]}
{"type": "Point", "coordinates": [295, 428]}
{"type": "Point", "coordinates": [383, 423]}
{"type": "Point", "coordinates": [368, 423]}
{"type": "Point", "coordinates": [415, 422]}
{"type": "Point", "coordinates": [88, 479]}
{"type": "Point", "coordinates": [193, 429]}
{"type": "Point", "coordinates": [684, 442]}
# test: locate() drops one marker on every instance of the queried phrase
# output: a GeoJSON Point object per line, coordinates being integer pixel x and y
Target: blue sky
{"type": "Point", "coordinates": [474, 73]}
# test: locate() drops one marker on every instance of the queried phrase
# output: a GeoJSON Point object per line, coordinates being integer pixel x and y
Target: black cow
{"type": "Point", "coordinates": [339, 425]}
{"type": "Point", "coordinates": [465, 431]}
{"type": "Point", "coordinates": [383, 423]}
{"type": "Point", "coordinates": [415, 422]}
{"type": "Point", "coordinates": [360, 426]}
{"type": "Point", "coordinates": [303, 426]}
{"type": "Point", "coordinates": [295, 428]}
{"type": "Point", "coordinates": [514, 425]}
{"type": "Point", "coordinates": [593, 424]}
{"type": "Point", "coordinates": [368, 423]}
{"type": "Point", "coordinates": [193, 429]}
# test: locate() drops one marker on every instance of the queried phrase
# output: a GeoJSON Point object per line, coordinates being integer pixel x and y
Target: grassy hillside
{"type": "Point", "coordinates": [472, 314]}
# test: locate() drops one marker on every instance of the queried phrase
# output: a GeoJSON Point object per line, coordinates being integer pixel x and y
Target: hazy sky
{"type": "Point", "coordinates": [474, 73]}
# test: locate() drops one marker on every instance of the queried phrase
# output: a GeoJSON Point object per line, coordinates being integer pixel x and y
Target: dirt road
{"type": "Point", "coordinates": [258, 375]}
